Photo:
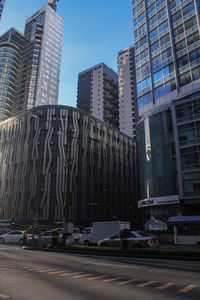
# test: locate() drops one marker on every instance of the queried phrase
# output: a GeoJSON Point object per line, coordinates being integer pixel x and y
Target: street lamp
{"type": "Point", "coordinates": [69, 135]}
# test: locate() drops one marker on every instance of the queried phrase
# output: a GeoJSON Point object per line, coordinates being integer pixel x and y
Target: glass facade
{"type": "Point", "coordinates": [166, 37]}
{"type": "Point", "coordinates": [45, 29]}
{"type": "Point", "coordinates": [167, 57]}
{"type": "Point", "coordinates": [1, 7]}
{"type": "Point", "coordinates": [14, 65]}
{"type": "Point", "coordinates": [156, 156]}
{"type": "Point", "coordinates": [30, 63]}
{"type": "Point", "coordinates": [188, 124]}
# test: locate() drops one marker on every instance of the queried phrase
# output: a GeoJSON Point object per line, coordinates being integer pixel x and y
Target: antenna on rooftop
{"type": "Point", "coordinates": [52, 3]}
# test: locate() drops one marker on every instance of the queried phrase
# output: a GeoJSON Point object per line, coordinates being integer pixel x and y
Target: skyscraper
{"type": "Point", "coordinates": [45, 28]}
{"type": "Point", "coordinates": [30, 63]}
{"type": "Point", "coordinates": [15, 61]}
{"type": "Point", "coordinates": [1, 7]}
{"type": "Point", "coordinates": [98, 93]}
{"type": "Point", "coordinates": [127, 91]}
{"type": "Point", "coordinates": [167, 51]}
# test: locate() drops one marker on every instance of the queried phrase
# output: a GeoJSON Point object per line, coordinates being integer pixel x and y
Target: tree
{"type": "Point", "coordinates": [124, 234]}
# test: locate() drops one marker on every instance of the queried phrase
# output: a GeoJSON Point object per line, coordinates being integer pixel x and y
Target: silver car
{"type": "Point", "coordinates": [45, 238]}
{"type": "Point", "coordinates": [12, 237]}
{"type": "Point", "coordinates": [136, 240]}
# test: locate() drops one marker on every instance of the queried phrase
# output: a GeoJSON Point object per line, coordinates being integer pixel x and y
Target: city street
{"type": "Point", "coordinates": [49, 275]}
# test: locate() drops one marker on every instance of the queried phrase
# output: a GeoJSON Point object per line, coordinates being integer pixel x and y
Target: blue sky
{"type": "Point", "coordinates": [94, 31]}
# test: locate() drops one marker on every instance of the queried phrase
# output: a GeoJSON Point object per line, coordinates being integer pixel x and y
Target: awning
{"type": "Point", "coordinates": [183, 219]}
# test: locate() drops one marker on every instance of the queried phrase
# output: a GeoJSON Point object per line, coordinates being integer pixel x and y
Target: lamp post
{"type": "Point", "coordinates": [69, 135]}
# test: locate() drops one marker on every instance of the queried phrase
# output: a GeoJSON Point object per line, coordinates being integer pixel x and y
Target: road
{"type": "Point", "coordinates": [43, 275]}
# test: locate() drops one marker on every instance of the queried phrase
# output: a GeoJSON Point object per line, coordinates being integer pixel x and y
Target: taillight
{"type": "Point", "coordinates": [149, 241]}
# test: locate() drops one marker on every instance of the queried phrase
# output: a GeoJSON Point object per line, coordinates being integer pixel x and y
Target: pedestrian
{"type": "Point", "coordinates": [25, 233]}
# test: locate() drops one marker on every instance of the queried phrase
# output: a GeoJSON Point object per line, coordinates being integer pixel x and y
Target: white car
{"type": "Point", "coordinates": [14, 237]}
{"type": "Point", "coordinates": [135, 240]}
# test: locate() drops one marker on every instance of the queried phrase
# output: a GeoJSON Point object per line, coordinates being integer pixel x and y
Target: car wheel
{"type": "Point", "coordinates": [136, 246]}
{"type": "Point", "coordinates": [21, 241]}
{"type": "Point", "coordinates": [2, 241]}
{"type": "Point", "coordinates": [86, 243]}
{"type": "Point", "coordinates": [104, 245]}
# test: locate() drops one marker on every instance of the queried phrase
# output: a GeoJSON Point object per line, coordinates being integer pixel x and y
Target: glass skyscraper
{"type": "Point", "coordinates": [30, 63]}
{"type": "Point", "coordinates": [1, 7]}
{"type": "Point", "coordinates": [45, 29]}
{"type": "Point", "coordinates": [167, 58]}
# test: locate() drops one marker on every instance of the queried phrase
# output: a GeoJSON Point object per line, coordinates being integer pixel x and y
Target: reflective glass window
{"type": "Point", "coordinates": [184, 79]}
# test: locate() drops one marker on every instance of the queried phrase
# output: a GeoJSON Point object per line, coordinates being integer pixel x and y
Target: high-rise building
{"type": "Point", "coordinates": [45, 29]}
{"type": "Point", "coordinates": [127, 91]}
{"type": "Point", "coordinates": [167, 51]}
{"type": "Point", "coordinates": [98, 93]}
{"type": "Point", "coordinates": [30, 63]}
{"type": "Point", "coordinates": [2, 2]}
{"type": "Point", "coordinates": [15, 61]}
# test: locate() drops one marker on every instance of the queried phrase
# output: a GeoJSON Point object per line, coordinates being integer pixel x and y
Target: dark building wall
{"type": "Point", "coordinates": [33, 154]}
{"type": "Point", "coordinates": [84, 89]}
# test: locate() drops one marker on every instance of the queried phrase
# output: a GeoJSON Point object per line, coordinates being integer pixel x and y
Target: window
{"type": "Point", "coordinates": [194, 55]}
{"type": "Point", "coordinates": [185, 78]}
{"type": "Point", "coordinates": [190, 23]}
{"type": "Point", "coordinates": [183, 61]}
{"type": "Point", "coordinates": [193, 38]}
{"type": "Point", "coordinates": [196, 74]}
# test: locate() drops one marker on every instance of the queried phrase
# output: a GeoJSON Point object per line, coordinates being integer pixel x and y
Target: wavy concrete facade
{"type": "Point", "coordinates": [33, 153]}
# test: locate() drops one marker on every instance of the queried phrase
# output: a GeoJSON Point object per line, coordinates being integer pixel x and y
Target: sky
{"type": "Point", "coordinates": [94, 32]}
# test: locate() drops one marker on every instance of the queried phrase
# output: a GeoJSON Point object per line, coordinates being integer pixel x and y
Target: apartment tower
{"type": "Point", "coordinates": [127, 91]}
{"type": "Point", "coordinates": [98, 94]}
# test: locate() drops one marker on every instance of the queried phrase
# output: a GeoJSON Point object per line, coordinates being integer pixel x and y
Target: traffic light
{"type": "Point", "coordinates": [114, 217]}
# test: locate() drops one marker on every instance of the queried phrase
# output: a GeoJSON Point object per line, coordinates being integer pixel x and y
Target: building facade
{"type": "Point", "coordinates": [127, 91]}
{"type": "Point", "coordinates": [45, 29]}
{"type": "Point", "coordinates": [2, 2]}
{"type": "Point", "coordinates": [167, 51]}
{"type": "Point", "coordinates": [30, 63]}
{"type": "Point", "coordinates": [98, 94]}
{"type": "Point", "coordinates": [65, 150]}
{"type": "Point", "coordinates": [15, 63]}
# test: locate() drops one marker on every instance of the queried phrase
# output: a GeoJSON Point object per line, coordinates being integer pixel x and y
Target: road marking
{"type": "Point", "coordinates": [97, 277]}
{"type": "Point", "coordinates": [111, 279]}
{"type": "Point", "coordinates": [57, 272]}
{"type": "Point", "coordinates": [37, 269]}
{"type": "Point", "coordinates": [128, 281]}
{"type": "Point", "coordinates": [82, 276]}
{"type": "Point", "coordinates": [188, 288]}
{"type": "Point", "coordinates": [4, 296]}
{"type": "Point", "coordinates": [165, 286]}
{"type": "Point", "coordinates": [147, 283]}
{"type": "Point", "coordinates": [46, 270]}
{"type": "Point", "coordinates": [69, 274]}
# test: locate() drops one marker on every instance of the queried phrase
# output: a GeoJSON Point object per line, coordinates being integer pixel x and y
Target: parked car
{"type": "Point", "coordinates": [45, 238]}
{"type": "Point", "coordinates": [136, 240]}
{"type": "Point", "coordinates": [14, 237]}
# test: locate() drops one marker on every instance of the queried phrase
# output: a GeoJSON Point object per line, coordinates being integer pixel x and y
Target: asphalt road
{"type": "Point", "coordinates": [42, 275]}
